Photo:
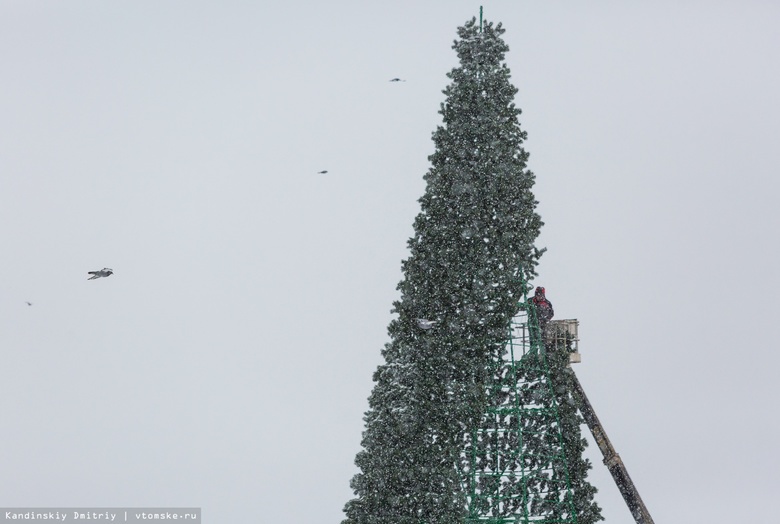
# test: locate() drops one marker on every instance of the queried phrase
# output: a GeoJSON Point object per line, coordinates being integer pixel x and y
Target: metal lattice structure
{"type": "Point", "coordinates": [514, 462]}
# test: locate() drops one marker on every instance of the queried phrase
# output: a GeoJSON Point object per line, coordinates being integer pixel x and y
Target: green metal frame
{"type": "Point", "coordinates": [514, 464]}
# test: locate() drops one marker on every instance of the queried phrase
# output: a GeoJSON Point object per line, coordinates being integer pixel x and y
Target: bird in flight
{"type": "Point", "coordinates": [322, 172]}
{"type": "Point", "coordinates": [102, 273]}
{"type": "Point", "coordinates": [396, 80]}
{"type": "Point", "coordinates": [426, 324]}
{"type": "Point", "coordinates": [28, 303]}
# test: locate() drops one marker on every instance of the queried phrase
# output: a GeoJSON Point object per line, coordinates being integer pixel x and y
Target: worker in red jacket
{"type": "Point", "coordinates": [544, 309]}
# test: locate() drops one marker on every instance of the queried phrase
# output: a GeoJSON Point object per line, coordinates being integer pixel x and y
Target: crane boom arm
{"type": "Point", "coordinates": [611, 458]}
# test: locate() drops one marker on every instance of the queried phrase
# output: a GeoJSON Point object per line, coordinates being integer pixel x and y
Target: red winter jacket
{"type": "Point", "coordinates": [544, 308]}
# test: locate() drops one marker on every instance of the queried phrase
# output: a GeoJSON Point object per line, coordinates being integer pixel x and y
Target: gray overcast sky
{"type": "Point", "coordinates": [227, 362]}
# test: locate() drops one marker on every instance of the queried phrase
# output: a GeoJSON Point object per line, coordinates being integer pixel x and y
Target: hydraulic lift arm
{"type": "Point", "coordinates": [611, 458]}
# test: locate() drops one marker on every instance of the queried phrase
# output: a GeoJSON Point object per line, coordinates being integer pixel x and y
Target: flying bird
{"type": "Point", "coordinates": [322, 172]}
{"type": "Point", "coordinates": [28, 303]}
{"type": "Point", "coordinates": [102, 273]}
{"type": "Point", "coordinates": [396, 80]}
{"type": "Point", "coordinates": [426, 324]}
